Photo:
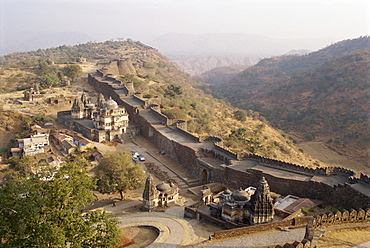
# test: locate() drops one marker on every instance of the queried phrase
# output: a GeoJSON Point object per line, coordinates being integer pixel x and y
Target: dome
{"type": "Point", "coordinates": [240, 195]}
{"type": "Point", "coordinates": [110, 104]}
{"type": "Point", "coordinates": [163, 187]}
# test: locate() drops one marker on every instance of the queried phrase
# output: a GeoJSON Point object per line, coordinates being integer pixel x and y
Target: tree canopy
{"type": "Point", "coordinates": [117, 173]}
{"type": "Point", "coordinates": [44, 210]}
{"type": "Point", "coordinates": [72, 71]}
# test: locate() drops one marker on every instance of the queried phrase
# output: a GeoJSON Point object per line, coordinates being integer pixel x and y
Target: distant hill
{"type": "Point", "coordinates": [196, 54]}
{"type": "Point", "coordinates": [323, 95]}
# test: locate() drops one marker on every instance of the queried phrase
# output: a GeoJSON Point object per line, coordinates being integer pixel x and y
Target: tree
{"type": "Point", "coordinates": [240, 115]}
{"type": "Point", "coordinates": [72, 71]}
{"type": "Point", "coordinates": [44, 210]}
{"type": "Point", "coordinates": [117, 172]}
{"type": "Point", "coordinates": [48, 80]}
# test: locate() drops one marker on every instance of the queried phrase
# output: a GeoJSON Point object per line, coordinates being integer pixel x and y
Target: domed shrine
{"type": "Point", "coordinates": [160, 195]}
{"type": "Point", "coordinates": [250, 206]}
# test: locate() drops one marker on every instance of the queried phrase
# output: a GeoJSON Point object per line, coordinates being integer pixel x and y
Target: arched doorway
{"type": "Point", "coordinates": [204, 177]}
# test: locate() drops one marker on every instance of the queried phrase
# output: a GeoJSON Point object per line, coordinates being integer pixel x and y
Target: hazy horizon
{"type": "Point", "coordinates": [145, 20]}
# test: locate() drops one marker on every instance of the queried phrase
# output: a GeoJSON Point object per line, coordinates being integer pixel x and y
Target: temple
{"type": "Point", "coordinates": [103, 120]}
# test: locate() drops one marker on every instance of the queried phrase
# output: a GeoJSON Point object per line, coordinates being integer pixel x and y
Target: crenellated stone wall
{"type": "Point", "coordinates": [337, 194]}
{"type": "Point", "coordinates": [323, 221]}
{"type": "Point", "coordinates": [236, 232]}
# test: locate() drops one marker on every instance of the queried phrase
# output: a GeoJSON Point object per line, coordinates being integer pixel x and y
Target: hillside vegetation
{"type": "Point", "coordinates": [321, 96]}
{"type": "Point", "coordinates": [220, 75]}
{"type": "Point", "coordinates": [181, 98]}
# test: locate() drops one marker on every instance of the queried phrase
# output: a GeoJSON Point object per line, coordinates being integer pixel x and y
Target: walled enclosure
{"type": "Point", "coordinates": [334, 185]}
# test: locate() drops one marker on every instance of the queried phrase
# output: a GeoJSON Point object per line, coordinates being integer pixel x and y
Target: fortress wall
{"type": "Point", "coordinates": [323, 221]}
{"type": "Point", "coordinates": [187, 134]}
{"type": "Point", "coordinates": [213, 139]}
{"type": "Point", "coordinates": [101, 87]}
{"type": "Point", "coordinates": [160, 116]}
{"type": "Point", "coordinates": [143, 102]}
{"type": "Point", "coordinates": [176, 151]}
{"type": "Point", "coordinates": [125, 67]}
{"type": "Point", "coordinates": [228, 153]}
{"type": "Point", "coordinates": [299, 221]}
{"type": "Point", "coordinates": [61, 117]}
{"type": "Point", "coordinates": [365, 178]}
{"type": "Point", "coordinates": [342, 195]}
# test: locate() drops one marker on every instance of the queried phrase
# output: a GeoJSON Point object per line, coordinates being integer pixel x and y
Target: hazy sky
{"type": "Point", "coordinates": [338, 19]}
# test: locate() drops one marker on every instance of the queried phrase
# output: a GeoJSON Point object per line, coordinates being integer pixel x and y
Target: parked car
{"type": "Point", "coordinates": [135, 159]}
{"type": "Point", "coordinates": [141, 157]}
{"type": "Point", "coordinates": [134, 153]}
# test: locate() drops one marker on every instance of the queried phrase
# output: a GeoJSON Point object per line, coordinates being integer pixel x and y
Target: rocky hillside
{"type": "Point", "coordinates": [321, 96]}
{"type": "Point", "coordinates": [180, 97]}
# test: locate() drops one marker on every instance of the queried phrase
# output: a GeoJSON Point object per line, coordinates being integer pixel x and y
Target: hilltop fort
{"type": "Point", "coordinates": [209, 161]}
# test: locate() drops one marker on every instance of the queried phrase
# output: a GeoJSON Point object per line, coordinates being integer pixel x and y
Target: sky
{"type": "Point", "coordinates": [147, 19]}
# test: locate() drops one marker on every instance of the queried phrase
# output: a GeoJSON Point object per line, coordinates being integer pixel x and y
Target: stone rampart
{"type": "Point", "coordinates": [236, 232]}
{"type": "Point", "coordinates": [62, 117]}
{"type": "Point", "coordinates": [213, 139]}
{"type": "Point", "coordinates": [340, 195]}
{"type": "Point", "coordinates": [187, 134]}
{"type": "Point", "coordinates": [364, 178]}
{"type": "Point", "coordinates": [227, 152]}
{"type": "Point", "coordinates": [163, 118]}
{"type": "Point", "coordinates": [142, 101]}
{"type": "Point", "coordinates": [330, 171]}
{"type": "Point", "coordinates": [323, 221]}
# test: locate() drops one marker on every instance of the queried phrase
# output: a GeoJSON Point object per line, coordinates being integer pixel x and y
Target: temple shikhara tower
{"type": "Point", "coordinates": [262, 204]}
{"type": "Point", "coordinates": [249, 206]}
{"type": "Point", "coordinates": [161, 195]}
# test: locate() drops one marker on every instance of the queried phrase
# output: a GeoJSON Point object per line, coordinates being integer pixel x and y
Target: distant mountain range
{"type": "Point", "coordinates": [232, 44]}
{"type": "Point", "coordinates": [196, 54]}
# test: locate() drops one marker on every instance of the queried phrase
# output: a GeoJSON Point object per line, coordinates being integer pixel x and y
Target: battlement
{"type": "Point", "coordinates": [365, 178]}
{"type": "Point", "coordinates": [341, 217]}
{"type": "Point", "coordinates": [157, 112]}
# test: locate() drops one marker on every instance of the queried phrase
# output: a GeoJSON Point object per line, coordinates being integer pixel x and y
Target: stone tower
{"type": "Point", "coordinates": [149, 195]}
{"type": "Point", "coordinates": [78, 107]}
{"type": "Point", "coordinates": [262, 204]}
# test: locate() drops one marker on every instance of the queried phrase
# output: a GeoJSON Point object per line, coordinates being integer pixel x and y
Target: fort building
{"type": "Point", "coordinates": [250, 206]}
{"type": "Point", "coordinates": [209, 161]}
{"type": "Point", "coordinates": [103, 120]}
{"type": "Point", "coordinates": [161, 195]}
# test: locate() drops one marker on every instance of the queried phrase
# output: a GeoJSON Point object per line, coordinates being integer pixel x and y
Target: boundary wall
{"type": "Point", "coordinates": [337, 194]}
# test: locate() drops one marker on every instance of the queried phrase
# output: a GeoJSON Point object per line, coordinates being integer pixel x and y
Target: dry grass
{"type": "Point", "coordinates": [345, 238]}
{"type": "Point", "coordinates": [320, 151]}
